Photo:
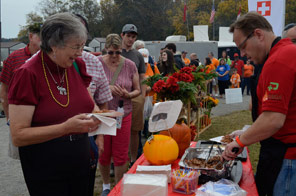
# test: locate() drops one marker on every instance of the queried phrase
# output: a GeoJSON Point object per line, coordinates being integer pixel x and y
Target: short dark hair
{"type": "Point", "coordinates": [208, 61]}
{"type": "Point", "coordinates": [249, 22]}
{"type": "Point", "coordinates": [171, 46]}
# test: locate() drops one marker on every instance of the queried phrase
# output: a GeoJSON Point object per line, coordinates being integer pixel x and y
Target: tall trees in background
{"type": "Point", "coordinates": [155, 19]}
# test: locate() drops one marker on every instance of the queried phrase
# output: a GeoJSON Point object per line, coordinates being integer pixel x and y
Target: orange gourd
{"type": "Point", "coordinates": [182, 134]}
{"type": "Point", "coordinates": [161, 150]}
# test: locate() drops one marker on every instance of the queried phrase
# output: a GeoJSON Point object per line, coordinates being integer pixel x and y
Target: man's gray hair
{"type": "Point", "coordinates": [138, 44]}
{"type": "Point", "coordinates": [59, 28]}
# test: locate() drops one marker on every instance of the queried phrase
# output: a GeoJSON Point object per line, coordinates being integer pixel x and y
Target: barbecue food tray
{"type": "Point", "coordinates": [206, 159]}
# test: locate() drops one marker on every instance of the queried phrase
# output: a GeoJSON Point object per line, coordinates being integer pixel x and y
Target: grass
{"type": "Point", "coordinates": [221, 125]}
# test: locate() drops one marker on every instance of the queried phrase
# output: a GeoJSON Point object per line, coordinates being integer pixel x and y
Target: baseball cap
{"type": "Point", "coordinates": [145, 54]}
{"type": "Point", "coordinates": [184, 52]}
{"type": "Point", "coordinates": [129, 28]}
{"type": "Point", "coordinates": [235, 55]}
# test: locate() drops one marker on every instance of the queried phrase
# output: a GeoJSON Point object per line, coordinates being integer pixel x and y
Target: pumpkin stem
{"type": "Point", "coordinates": [150, 138]}
{"type": "Point", "coordinates": [170, 133]}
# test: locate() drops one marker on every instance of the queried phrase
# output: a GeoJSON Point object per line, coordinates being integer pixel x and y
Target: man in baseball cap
{"type": "Point", "coordinates": [129, 35]}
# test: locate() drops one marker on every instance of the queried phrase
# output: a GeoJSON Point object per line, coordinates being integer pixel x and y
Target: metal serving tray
{"type": "Point", "coordinates": [230, 170]}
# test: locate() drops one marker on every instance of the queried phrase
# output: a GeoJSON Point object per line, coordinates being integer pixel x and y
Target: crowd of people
{"type": "Point", "coordinates": [50, 86]}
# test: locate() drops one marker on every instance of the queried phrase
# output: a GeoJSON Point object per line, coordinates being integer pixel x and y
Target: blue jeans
{"type": "Point", "coordinates": [246, 82]}
{"type": "Point", "coordinates": [286, 181]}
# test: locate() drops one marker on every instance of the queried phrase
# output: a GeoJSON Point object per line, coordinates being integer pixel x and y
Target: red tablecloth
{"type": "Point", "coordinates": [247, 181]}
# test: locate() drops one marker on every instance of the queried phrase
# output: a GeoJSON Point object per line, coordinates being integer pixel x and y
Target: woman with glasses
{"type": "Point", "coordinates": [48, 106]}
{"type": "Point", "coordinates": [123, 78]}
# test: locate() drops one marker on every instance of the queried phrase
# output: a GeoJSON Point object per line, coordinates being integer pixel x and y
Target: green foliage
{"type": "Point", "coordinates": [187, 92]}
{"type": "Point", "coordinates": [155, 19]}
{"type": "Point", "coordinates": [31, 19]}
{"type": "Point", "coordinates": [150, 81]}
{"type": "Point", "coordinates": [290, 11]}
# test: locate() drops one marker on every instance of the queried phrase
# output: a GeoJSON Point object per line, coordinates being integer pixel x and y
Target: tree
{"type": "Point", "coordinates": [290, 11]}
{"type": "Point", "coordinates": [31, 18]}
{"type": "Point", "coordinates": [108, 17]}
{"type": "Point", "coordinates": [50, 7]}
{"type": "Point", "coordinates": [150, 17]}
{"type": "Point", "coordinates": [90, 9]}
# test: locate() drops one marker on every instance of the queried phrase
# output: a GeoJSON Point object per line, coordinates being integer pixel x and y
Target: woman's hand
{"type": "Point", "coordinates": [100, 143]}
{"type": "Point", "coordinates": [81, 124]}
{"type": "Point", "coordinates": [115, 90]}
{"type": "Point", "coordinates": [125, 93]}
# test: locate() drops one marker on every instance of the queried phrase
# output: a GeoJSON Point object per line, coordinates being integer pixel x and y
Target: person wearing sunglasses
{"type": "Point", "coordinates": [290, 32]}
{"type": "Point", "coordinates": [123, 78]}
{"type": "Point", "coordinates": [275, 126]}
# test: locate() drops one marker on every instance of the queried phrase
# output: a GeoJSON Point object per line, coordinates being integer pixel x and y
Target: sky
{"type": "Point", "coordinates": [13, 15]}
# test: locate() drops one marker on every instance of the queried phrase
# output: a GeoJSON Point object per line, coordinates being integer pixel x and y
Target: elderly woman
{"type": "Point", "coordinates": [48, 102]}
{"type": "Point", "coordinates": [124, 86]}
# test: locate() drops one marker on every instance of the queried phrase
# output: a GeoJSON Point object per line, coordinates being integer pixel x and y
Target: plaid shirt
{"type": "Point", "coordinates": [99, 86]}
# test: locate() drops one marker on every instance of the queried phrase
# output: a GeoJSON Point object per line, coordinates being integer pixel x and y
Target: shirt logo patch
{"type": "Point", "coordinates": [271, 96]}
{"type": "Point", "coordinates": [265, 97]}
{"type": "Point", "coordinates": [273, 86]}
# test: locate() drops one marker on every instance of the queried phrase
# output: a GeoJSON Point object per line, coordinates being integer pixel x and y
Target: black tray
{"type": "Point", "coordinates": [207, 143]}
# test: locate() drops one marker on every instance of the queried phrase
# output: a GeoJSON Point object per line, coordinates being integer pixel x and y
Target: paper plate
{"type": "Point", "coordinates": [110, 113]}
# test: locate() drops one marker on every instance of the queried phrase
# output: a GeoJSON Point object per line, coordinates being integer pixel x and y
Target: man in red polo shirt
{"type": "Point", "coordinates": [13, 62]}
{"type": "Point", "coordinates": [238, 64]}
{"type": "Point", "coordinates": [275, 127]}
{"type": "Point", "coordinates": [16, 59]}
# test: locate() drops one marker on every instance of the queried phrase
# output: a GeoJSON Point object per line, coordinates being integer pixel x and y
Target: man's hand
{"type": "Point", "coordinates": [229, 152]}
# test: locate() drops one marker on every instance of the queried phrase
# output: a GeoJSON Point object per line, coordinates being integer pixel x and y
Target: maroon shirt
{"type": "Point", "coordinates": [13, 62]}
{"type": "Point", "coordinates": [29, 87]}
{"type": "Point", "coordinates": [239, 65]}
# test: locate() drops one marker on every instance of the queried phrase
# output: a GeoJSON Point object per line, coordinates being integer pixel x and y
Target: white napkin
{"type": "Point", "coordinates": [107, 126]}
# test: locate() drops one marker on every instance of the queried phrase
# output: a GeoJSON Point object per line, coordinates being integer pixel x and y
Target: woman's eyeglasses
{"type": "Point", "coordinates": [112, 52]}
{"type": "Point", "coordinates": [77, 48]}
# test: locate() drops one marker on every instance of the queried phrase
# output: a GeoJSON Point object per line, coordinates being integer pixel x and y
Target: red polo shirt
{"type": "Point", "coordinates": [239, 65]}
{"type": "Point", "coordinates": [13, 62]}
{"type": "Point", "coordinates": [276, 90]}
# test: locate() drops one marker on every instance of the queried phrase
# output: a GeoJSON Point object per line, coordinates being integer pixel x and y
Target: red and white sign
{"type": "Point", "coordinates": [264, 8]}
{"type": "Point", "coordinates": [272, 10]}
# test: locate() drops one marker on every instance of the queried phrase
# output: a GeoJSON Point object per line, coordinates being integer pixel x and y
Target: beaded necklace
{"type": "Point", "coordinates": [51, 93]}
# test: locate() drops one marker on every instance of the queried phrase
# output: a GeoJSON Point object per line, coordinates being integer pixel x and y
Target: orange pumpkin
{"type": "Point", "coordinates": [161, 150]}
{"type": "Point", "coordinates": [182, 134]}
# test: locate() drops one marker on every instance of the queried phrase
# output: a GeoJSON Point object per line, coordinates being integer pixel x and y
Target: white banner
{"type": "Point", "coordinates": [272, 10]}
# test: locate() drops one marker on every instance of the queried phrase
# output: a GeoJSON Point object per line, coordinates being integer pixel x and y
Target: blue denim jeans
{"type": "Point", "coordinates": [286, 182]}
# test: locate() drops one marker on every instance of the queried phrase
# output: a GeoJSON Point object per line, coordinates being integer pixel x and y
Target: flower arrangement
{"type": "Point", "coordinates": [209, 103]}
{"type": "Point", "coordinates": [185, 84]}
